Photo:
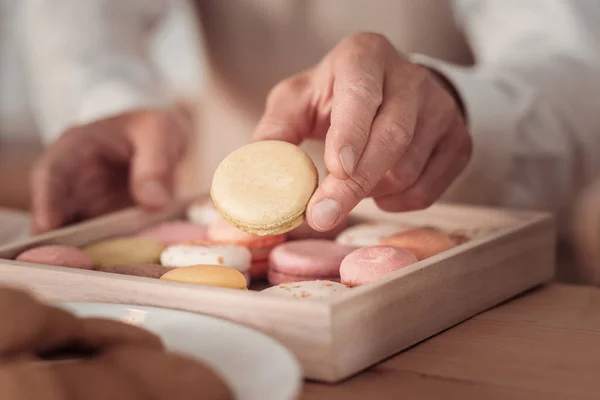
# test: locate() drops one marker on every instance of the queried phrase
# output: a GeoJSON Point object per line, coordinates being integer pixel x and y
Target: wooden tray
{"type": "Point", "coordinates": [333, 338]}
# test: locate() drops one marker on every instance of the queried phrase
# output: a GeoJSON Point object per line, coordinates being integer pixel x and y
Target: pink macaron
{"type": "Point", "coordinates": [62, 256]}
{"type": "Point", "coordinates": [173, 232]}
{"type": "Point", "coordinates": [306, 260]}
{"type": "Point", "coordinates": [369, 263]}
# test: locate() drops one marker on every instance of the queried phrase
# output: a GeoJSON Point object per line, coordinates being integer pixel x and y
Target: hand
{"type": "Point", "coordinates": [107, 165]}
{"type": "Point", "coordinates": [392, 129]}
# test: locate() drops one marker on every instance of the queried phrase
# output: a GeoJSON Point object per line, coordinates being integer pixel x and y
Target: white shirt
{"type": "Point", "coordinates": [49, 64]}
{"type": "Point", "coordinates": [532, 99]}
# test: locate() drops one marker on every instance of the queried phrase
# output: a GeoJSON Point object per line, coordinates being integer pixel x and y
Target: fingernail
{"type": "Point", "coordinates": [155, 192]}
{"type": "Point", "coordinates": [348, 159]}
{"type": "Point", "coordinates": [325, 213]}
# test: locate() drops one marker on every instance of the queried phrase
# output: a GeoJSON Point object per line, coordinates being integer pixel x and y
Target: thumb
{"type": "Point", "coordinates": [157, 147]}
{"type": "Point", "coordinates": [289, 114]}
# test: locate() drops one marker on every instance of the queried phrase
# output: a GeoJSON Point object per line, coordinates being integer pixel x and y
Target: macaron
{"type": "Point", "coordinates": [184, 255]}
{"type": "Point", "coordinates": [125, 250]}
{"type": "Point", "coordinates": [171, 232]}
{"type": "Point", "coordinates": [368, 234]}
{"type": "Point", "coordinates": [222, 232]}
{"type": "Point", "coordinates": [210, 275]}
{"type": "Point", "coordinates": [423, 242]}
{"type": "Point", "coordinates": [264, 187]}
{"type": "Point", "coordinates": [307, 289]}
{"type": "Point", "coordinates": [62, 256]}
{"type": "Point", "coordinates": [143, 270]}
{"type": "Point", "coordinates": [306, 260]}
{"type": "Point", "coordinates": [366, 264]}
{"type": "Point", "coordinates": [304, 231]}
{"type": "Point", "coordinates": [202, 212]}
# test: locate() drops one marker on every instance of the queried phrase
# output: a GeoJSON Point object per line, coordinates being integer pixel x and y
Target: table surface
{"type": "Point", "coordinates": [544, 344]}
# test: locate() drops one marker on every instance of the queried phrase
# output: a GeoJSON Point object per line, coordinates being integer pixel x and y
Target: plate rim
{"type": "Point", "coordinates": [299, 375]}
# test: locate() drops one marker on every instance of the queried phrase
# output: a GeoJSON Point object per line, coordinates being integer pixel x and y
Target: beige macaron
{"type": "Point", "coordinates": [264, 187]}
{"type": "Point", "coordinates": [123, 251]}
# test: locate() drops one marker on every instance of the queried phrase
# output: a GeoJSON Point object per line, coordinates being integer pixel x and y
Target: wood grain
{"type": "Point", "coordinates": [543, 345]}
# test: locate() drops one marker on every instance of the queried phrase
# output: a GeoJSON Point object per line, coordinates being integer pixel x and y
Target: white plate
{"type": "Point", "coordinates": [255, 366]}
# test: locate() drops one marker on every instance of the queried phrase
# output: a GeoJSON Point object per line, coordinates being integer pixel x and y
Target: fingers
{"type": "Point", "coordinates": [158, 145]}
{"type": "Point", "coordinates": [357, 94]}
{"type": "Point", "coordinates": [95, 380]}
{"type": "Point", "coordinates": [448, 160]}
{"type": "Point", "coordinates": [167, 376]}
{"type": "Point", "coordinates": [89, 379]}
{"type": "Point", "coordinates": [122, 373]}
{"type": "Point", "coordinates": [106, 190]}
{"type": "Point", "coordinates": [50, 192]}
{"type": "Point", "coordinates": [21, 316]}
{"type": "Point", "coordinates": [31, 327]}
{"type": "Point", "coordinates": [436, 119]}
{"type": "Point", "coordinates": [289, 112]}
{"type": "Point", "coordinates": [391, 134]}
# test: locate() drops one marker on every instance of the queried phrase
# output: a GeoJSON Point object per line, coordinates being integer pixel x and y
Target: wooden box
{"type": "Point", "coordinates": [509, 253]}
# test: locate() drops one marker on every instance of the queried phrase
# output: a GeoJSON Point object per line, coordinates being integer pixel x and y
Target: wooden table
{"type": "Point", "coordinates": [542, 345]}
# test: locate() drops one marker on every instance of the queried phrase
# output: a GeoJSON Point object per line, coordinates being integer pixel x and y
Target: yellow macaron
{"type": "Point", "coordinates": [124, 251]}
{"type": "Point", "coordinates": [264, 187]}
{"type": "Point", "coordinates": [209, 275]}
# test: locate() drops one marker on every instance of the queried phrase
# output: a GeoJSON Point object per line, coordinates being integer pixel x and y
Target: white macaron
{"type": "Point", "coordinates": [185, 255]}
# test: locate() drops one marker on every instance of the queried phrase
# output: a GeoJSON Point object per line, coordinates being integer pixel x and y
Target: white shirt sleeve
{"type": "Point", "coordinates": [532, 100]}
{"type": "Point", "coordinates": [90, 59]}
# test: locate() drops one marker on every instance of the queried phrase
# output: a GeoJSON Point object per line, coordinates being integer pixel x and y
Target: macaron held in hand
{"type": "Point", "coordinates": [393, 130]}
{"type": "Point", "coordinates": [264, 187]}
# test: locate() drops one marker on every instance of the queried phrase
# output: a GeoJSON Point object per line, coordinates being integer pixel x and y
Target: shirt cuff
{"type": "Point", "coordinates": [491, 121]}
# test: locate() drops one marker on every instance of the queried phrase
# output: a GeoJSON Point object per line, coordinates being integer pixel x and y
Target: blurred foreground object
{"type": "Point", "coordinates": [101, 358]}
